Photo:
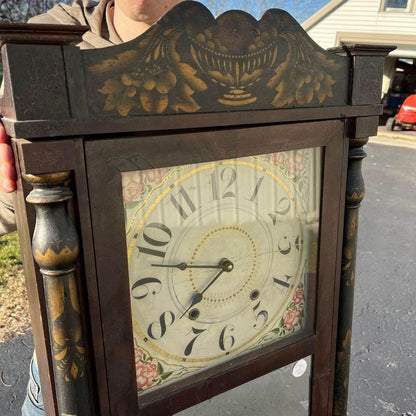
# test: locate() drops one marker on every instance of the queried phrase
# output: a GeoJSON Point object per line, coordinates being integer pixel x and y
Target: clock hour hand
{"type": "Point", "coordinates": [183, 266]}
{"type": "Point", "coordinates": [196, 298]}
{"type": "Point", "coordinates": [226, 266]}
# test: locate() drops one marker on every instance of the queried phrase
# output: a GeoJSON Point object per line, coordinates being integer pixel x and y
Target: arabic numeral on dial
{"type": "Point", "coordinates": [226, 341]}
{"type": "Point", "coordinates": [256, 189]}
{"type": "Point", "coordinates": [262, 315]}
{"type": "Point", "coordinates": [298, 242]}
{"type": "Point", "coordinates": [197, 332]}
{"type": "Point", "coordinates": [186, 206]}
{"type": "Point", "coordinates": [283, 207]}
{"type": "Point", "coordinates": [284, 245]}
{"type": "Point", "coordinates": [143, 287]}
{"type": "Point", "coordinates": [227, 175]}
{"type": "Point", "coordinates": [283, 283]}
{"type": "Point", "coordinates": [156, 235]}
{"type": "Point", "coordinates": [158, 328]}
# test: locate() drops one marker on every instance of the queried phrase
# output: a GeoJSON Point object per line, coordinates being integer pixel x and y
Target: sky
{"type": "Point", "coordinates": [299, 9]}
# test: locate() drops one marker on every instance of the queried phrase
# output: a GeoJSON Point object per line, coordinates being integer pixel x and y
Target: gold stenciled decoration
{"type": "Point", "coordinates": [231, 60]}
{"type": "Point", "coordinates": [306, 74]}
{"type": "Point", "coordinates": [239, 53]}
{"type": "Point", "coordinates": [159, 79]}
{"type": "Point", "coordinates": [69, 350]}
{"type": "Point", "coordinates": [190, 61]}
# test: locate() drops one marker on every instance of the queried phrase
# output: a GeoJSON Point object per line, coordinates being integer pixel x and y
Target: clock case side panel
{"type": "Point", "coordinates": [329, 270]}
{"type": "Point", "coordinates": [40, 158]}
{"type": "Point", "coordinates": [106, 158]}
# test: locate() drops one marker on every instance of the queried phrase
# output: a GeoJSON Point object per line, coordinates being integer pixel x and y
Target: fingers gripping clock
{"type": "Point", "coordinates": [216, 254]}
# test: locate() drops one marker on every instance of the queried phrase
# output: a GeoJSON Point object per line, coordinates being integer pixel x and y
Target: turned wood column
{"type": "Point", "coordinates": [354, 196]}
{"type": "Point", "coordinates": [367, 63]}
{"type": "Point", "coordinates": [55, 248]}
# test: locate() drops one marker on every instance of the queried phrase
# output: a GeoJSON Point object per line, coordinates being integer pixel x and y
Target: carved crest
{"type": "Point", "coordinates": [190, 61]}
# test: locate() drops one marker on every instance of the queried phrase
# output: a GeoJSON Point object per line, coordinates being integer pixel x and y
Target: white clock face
{"type": "Point", "coordinates": [218, 259]}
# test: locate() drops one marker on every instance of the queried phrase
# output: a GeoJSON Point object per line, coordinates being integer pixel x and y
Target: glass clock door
{"type": "Point", "coordinates": [220, 258]}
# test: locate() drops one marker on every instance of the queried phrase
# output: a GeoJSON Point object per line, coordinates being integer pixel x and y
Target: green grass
{"type": "Point", "coordinates": [9, 255]}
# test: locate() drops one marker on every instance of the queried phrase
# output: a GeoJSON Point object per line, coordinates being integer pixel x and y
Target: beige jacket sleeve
{"type": "Point", "coordinates": [7, 216]}
{"type": "Point", "coordinates": [81, 12]}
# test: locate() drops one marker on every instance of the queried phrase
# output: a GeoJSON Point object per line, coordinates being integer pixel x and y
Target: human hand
{"type": "Point", "coordinates": [7, 168]}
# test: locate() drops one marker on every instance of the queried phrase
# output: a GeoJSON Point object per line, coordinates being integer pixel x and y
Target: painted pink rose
{"type": "Point", "coordinates": [298, 297]}
{"type": "Point", "coordinates": [278, 159]}
{"type": "Point", "coordinates": [136, 176]}
{"type": "Point", "coordinates": [155, 175]}
{"type": "Point", "coordinates": [295, 164]}
{"type": "Point", "coordinates": [138, 355]}
{"type": "Point", "coordinates": [291, 319]}
{"type": "Point", "coordinates": [132, 189]}
{"type": "Point", "coordinates": [146, 374]}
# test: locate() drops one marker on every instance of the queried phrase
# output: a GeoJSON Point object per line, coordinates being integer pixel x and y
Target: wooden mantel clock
{"type": "Point", "coordinates": [185, 195]}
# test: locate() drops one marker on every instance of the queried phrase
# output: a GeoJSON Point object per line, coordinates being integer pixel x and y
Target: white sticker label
{"type": "Point", "coordinates": [299, 368]}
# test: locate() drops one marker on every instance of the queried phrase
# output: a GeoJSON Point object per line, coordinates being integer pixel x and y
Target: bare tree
{"type": "Point", "coordinates": [20, 11]}
{"type": "Point", "coordinates": [300, 9]}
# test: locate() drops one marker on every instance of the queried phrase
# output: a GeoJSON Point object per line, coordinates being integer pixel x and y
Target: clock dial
{"type": "Point", "coordinates": [218, 254]}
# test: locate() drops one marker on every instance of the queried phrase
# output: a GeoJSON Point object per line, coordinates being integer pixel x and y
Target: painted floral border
{"type": "Point", "coordinates": [293, 318]}
{"type": "Point", "coordinates": [149, 372]}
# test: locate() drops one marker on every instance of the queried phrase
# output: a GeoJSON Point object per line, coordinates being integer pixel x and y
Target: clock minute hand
{"type": "Point", "coordinates": [226, 266]}
{"type": "Point", "coordinates": [183, 266]}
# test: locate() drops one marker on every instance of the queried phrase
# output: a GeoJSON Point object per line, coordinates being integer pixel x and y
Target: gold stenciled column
{"type": "Point", "coordinates": [354, 196]}
{"type": "Point", "coordinates": [55, 249]}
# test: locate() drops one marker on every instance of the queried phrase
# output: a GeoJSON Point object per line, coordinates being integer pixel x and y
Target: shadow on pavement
{"type": "Point", "coordinates": [15, 356]}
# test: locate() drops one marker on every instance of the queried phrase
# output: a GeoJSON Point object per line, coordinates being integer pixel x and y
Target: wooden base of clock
{"type": "Point", "coordinates": [194, 207]}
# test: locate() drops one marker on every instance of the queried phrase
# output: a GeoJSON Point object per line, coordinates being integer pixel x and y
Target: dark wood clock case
{"type": "Point", "coordinates": [191, 89]}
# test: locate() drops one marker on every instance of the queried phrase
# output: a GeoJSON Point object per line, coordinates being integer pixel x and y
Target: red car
{"type": "Point", "coordinates": [406, 117]}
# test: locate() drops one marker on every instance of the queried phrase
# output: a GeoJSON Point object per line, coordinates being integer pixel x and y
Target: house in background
{"type": "Point", "coordinates": [375, 22]}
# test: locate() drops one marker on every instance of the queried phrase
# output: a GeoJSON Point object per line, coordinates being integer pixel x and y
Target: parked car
{"type": "Point", "coordinates": [405, 117]}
